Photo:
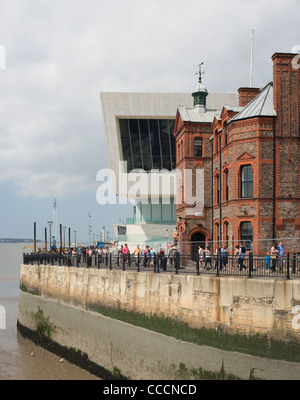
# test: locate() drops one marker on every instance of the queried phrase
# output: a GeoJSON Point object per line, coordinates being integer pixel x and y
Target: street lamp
{"type": "Point", "coordinates": [64, 228]}
{"type": "Point", "coordinates": [50, 224]}
{"type": "Point", "coordinates": [89, 215]}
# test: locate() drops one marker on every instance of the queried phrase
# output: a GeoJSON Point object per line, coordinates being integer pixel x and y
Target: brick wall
{"type": "Point", "coordinates": [251, 142]}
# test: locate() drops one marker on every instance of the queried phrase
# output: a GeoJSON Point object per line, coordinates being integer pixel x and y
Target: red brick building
{"type": "Point", "coordinates": [251, 160]}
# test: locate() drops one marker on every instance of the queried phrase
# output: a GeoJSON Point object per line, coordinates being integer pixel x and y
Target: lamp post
{"type": "Point", "coordinates": [75, 239]}
{"type": "Point", "coordinates": [50, 224]}
{"type": "Point", "coordinates": [90, 230]}
{"type": "Point", "coordinates": [167, 237]}
{"type": "Point", "coordinates": [64, 228]}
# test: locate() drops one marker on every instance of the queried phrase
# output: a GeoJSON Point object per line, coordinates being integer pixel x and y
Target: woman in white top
{"type": "Point", "coordinates": [201, 256]}
{"type": "Point", "coordinates": [274, 254]}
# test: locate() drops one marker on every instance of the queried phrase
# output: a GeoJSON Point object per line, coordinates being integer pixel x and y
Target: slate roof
{"type": "Point", "coordinates": [260, 106]}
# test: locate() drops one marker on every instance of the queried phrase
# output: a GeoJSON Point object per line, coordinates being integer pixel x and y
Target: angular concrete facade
{"type": "Point", "coordinates": [153, 222]}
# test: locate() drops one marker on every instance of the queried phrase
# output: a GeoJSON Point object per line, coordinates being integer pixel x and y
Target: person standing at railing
{"type": "Point", "coordinates": [274, 255]}
{"type": "Point", "coordinates": [136, 253]}
{"type": "Point", "coordinates": [280, 248]}
{"type": "Point", "coordinates": [201, 257]}
{"type": "Point", "coordinates": [152, 256]}
{"type": "Point", "coordinates": [207, 253]}
{"type": "Point", "coordinates": [236, 255]}
{"type": "Point", "coordinates": [125, 253]}
{"type": "Point", "coordinates": [79, 252]}
{"type": "Point", "coordinates": [224, 256]}
{"type": "Point", "coordinates": [242, 254]}
{"type": "Point", "coordinates": [267, 262]}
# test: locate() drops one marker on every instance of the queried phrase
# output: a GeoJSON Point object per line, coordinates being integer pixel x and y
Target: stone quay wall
{"type": "Point", "coordinates": [236, 305]}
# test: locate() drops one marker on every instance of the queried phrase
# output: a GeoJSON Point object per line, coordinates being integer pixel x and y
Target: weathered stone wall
{"type": "Point", "coordinates": [142, 354]}
{"type": "Point", "coordinates": [232, 304]}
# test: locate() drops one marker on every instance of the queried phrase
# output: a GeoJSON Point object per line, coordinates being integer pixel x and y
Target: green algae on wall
{"type": "Point", "coordinates": [256, 345]}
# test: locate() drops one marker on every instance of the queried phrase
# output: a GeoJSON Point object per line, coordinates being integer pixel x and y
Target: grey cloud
{"type": "Point", "coordinates": [61, 55]}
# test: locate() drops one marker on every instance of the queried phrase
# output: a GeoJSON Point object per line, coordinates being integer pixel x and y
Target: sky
{"type": "Point", "coordinates": [59, 56]}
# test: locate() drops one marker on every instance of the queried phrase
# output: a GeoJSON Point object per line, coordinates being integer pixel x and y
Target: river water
{"type": "Point", "coordinates": [21, 359]}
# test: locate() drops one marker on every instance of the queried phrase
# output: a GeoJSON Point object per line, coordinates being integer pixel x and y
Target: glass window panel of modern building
{"type": "Point", "coordinates": [148, 143]}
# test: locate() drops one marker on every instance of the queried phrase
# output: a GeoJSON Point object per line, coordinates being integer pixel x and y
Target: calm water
{"type": "Point", "coordinates": [16, 359]}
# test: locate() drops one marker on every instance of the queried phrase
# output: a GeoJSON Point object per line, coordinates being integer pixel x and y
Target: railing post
{"type": "Point", "coordinates": [123, 256]}
{"type": "Point", "coordinates": [138, 262]}
{"type": "Point", "coordinates": [110, 264]}
{"type": "Point", "coordinates": [176, 263]}
{"type": "Point", "coordinates": [218, 262]}
{"type": "Point", "coordinates": [250, 265]}
{"type": "Point", "coordinates": [197, 265]}
{"type": "Point", "coordinates": [288, 266]}
{"type": "Point", "coordinates": [294, 263]}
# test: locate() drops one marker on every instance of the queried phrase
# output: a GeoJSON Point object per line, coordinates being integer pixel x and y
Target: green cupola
{"type": "Point", "coordinates": [200, 93]}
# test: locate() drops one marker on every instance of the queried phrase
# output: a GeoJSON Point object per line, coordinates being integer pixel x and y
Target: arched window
{"type": "Point", "coordinates": [217, 233]}
{"type": "Point", "coordinates": [246, 181]}
{"type": "Point", "coordinates": [247, 234]}
{"type": "Point", "coordinates": [226, 232]}
{"type": "Point", "coordinates": [226, 186]}
{"type": "Point", "coordinates": [217, 186]}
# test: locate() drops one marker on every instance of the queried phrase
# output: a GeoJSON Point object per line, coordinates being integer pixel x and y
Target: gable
{"type": "Point", "coordinates": [245, 157]}
{"type": "Point", "coordinates": [178, 122]}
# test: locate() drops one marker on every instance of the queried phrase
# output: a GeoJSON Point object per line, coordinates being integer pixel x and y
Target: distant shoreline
{"type": "Point", "coordinates": [9, 240]}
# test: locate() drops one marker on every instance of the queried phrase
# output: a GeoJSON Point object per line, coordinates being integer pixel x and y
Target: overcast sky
{"type": "Point", "coordinates": [61, 54]}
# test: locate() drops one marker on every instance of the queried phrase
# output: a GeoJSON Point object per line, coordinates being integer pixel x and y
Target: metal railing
{"type": "Point", "coordinates": [251, 266]}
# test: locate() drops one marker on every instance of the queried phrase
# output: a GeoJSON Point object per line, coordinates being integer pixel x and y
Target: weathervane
{"type": "Point", "coordinates": [200, 73]}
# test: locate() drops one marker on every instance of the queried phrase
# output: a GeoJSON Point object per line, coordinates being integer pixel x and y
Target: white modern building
{"type": "Point", "coordinates": [139, 135]}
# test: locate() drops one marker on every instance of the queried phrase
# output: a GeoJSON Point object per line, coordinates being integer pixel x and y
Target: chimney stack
{"type": "Point", "coordinates": [247, 94]}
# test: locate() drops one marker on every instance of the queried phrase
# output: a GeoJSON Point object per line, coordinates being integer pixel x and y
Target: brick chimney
{"type": "Point", "coordinates": [247, 94]}
{"type": "Point", "coordinates": [286, 94]}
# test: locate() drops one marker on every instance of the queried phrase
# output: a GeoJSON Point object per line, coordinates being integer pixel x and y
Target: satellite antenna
{"type": "Point", "coordinates": [251, 60]}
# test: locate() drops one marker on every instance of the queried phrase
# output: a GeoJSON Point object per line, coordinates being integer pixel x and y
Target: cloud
{"type": "Point", "coordinates": [61, 55]}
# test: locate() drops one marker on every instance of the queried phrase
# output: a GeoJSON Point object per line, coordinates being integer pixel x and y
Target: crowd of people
{"type": "Point", "coordinates": [272, 259]}
{"type": "Point", "coordinates": [148, 256]}
{"type": "Point", "coordinates": [208, 259]}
